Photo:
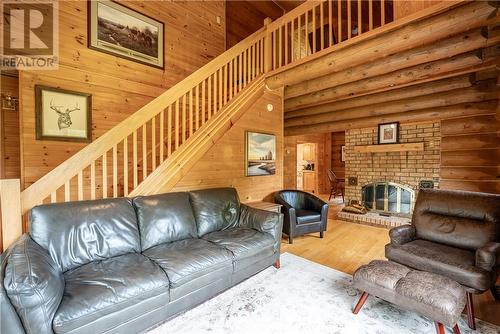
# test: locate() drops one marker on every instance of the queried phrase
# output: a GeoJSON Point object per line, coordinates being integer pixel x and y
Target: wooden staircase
{"type": "Point", "coordinates": [152, 149]}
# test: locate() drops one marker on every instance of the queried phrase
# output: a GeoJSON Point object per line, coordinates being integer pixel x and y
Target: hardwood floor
{"type": "Point", "coordinates": [346, 246]}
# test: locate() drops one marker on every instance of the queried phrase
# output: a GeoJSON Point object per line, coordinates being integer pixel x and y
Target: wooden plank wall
{"type": "Point", "coordinates": [10, 165]}
{"type": "Point", "coordinates": [470, 153]}
{"type": "Point", "coordinates": [405, 8]}
{"type": "Point", "coordinates": [224, 164]}
{"type": "Point", "coordinates": [338, 166]}
{"type": "Point", "coordinates": [323, 141]}
{"type": "Point", "coordinates": [245, 17]}
{"type": "Point", "coordinates": [118, 86]}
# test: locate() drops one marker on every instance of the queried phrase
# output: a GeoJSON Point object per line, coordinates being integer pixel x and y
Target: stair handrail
{"type": "Point", "coordinates": [50, 182]}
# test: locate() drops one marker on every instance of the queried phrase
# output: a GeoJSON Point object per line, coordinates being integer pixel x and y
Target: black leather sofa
{"type": "Point", "coordinates": [123, 265]}
{"type": "Point", "coordinates": [303, 213]}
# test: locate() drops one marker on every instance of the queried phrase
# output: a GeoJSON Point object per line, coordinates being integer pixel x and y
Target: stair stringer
{"type": "Point", "coordinates": [176, 166]}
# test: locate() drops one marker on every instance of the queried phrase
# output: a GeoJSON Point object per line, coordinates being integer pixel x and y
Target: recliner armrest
{"type": "Point", "coordinates": [402, 234]}
{"type": "Point", "coordinates": [34, 284]}
{"type": "Point", "coordinates": [488, 256]}
{"type": "Point", "coordinates": [263, 221]}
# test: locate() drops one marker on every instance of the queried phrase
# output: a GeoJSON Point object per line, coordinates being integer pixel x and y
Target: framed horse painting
{"type": "Point", "coordinates": [124, 32]}
{"type": "Point", "coordinates": [63, 114]}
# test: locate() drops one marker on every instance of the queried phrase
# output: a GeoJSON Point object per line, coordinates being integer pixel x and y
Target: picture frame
{"type": "Point", "coordinates": [123, 32]}
{"type": "Point", "coordinates": [63, 115]}
{"type": "Point", "coordinates": [260, 153]}
{"type": "Point", "coordinates": [388, 133]}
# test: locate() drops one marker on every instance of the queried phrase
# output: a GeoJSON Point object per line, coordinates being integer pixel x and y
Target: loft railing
{"type": "Point", "coordinates": [120, 160]}
{"type": "Point", "coordinates": [317, 25]}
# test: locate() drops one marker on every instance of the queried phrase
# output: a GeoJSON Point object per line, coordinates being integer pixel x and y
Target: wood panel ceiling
{"type": "Point", "coordinates": [244, 17]}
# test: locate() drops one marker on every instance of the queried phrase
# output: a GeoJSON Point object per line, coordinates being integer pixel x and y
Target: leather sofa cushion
{"type": "Point", "coordinates": [76, 233]}
{"type": "Point", "coordinates": [189, 259]}
{"type": "Point", "coordinates": [457, 218]}
{"type": "Point", "coordinates": [306, 216]}
{"type": "Point", "coordinates": [101, 288]}
{"type": "Point", "coordinates": [454, 263]}
{"type": "Point", "coordinates": [164, 218]}
{"type": "Point", "coordinates": [215, 209]}
{"type": "Point", "coordinates": [244, 243]}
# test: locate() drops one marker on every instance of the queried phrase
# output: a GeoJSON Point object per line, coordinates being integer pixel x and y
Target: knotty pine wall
{"type": "Point", "coordinates": [224, 164]}
{"type": "Point", "coordinates": [407, 7]}
{"type": "Point", "coordinates": [338, 166]}
{"type": "Point", "coordinates": [118, 86]}
{"type": "Point", "coordinates": [10, 164]}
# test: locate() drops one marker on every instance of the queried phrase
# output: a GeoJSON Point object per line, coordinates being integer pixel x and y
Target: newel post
{"type": "Point", "coordinates": [268, 47]}
{"type": "Point", "coordinates": [10, 212]}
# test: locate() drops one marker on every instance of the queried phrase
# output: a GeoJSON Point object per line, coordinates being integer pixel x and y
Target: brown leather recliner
{"type": "Point", "coordinates": [455, 234]}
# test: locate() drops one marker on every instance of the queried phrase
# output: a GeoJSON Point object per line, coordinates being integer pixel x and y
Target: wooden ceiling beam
{"type": "Point", "coordinates": [453, 46]}
{"type": "Point", "coordinates": [459, 110]}
{"type": "Point", "coordinates": [392, 79]}
{"type": "Point", "coordinates": [483, 91]}
{"type": "Point", "coordinates": [388, 42]}
{"type": "Point", "coordinates": [426, 88]}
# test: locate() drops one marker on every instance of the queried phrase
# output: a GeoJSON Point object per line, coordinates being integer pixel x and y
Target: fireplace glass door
{"type": "Point", "coordinates": [388, 197]}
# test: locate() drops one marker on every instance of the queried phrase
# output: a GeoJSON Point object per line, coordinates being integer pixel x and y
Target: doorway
{"type": "Point", "coordinates": [307, 178]}
{"type": "Point", "coordinates": [10, 154]}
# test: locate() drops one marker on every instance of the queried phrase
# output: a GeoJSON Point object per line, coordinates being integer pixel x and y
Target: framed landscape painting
{"type": "Point", "coordinates": [63, 114]}
{"type": "Point", "coordinates": [260, 154]}
{"type": "Point", "coordinates": [123, 32]}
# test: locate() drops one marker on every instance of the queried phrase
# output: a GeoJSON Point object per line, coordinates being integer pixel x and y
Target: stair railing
{"type": "Point", "coordinates": [130, 151]}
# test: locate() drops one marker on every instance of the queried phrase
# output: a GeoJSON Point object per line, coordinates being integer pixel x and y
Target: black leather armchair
{"type": "Point", "coordinates": [454, 234]}
{"type": "Point", "coordinates": [304, 213]}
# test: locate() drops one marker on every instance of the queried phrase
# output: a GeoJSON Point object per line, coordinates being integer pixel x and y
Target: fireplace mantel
{"type": "Point", "coordinates": [406, 147]}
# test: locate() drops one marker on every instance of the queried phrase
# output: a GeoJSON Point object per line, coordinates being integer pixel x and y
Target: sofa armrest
{"type": "Point", "coordinates": [34, 284]}
{"type": "Point", "coordinates": [263, 221]}
{"type": "Point", "coordinates": [10, 321]}
{"type": "Point", "coordinates": [402, 234]}
{"type": "Point", "coordinates": [290, 217]}
{"type": "Point", "coordinates": [488, 256]}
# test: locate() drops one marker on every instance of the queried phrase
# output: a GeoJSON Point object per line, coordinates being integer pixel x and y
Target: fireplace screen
{"type": "Point", "coordinates": [388, 196]}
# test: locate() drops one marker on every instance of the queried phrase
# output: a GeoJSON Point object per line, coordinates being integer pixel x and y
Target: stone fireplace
{"type": "Point", "coordinates": [389, 181]}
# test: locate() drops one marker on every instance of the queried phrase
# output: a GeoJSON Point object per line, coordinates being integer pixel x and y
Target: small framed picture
{"type": "Point", "coordinates": [63, 114]}
{"type": "Point", "coordinates": [260, 154]}
{"type": "Point", "coordinates": [388, 133]}
{"type": "Point", "coordinates": [123, 32]}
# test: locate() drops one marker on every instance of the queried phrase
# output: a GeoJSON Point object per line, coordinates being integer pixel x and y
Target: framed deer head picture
{"type": "Point", "coordinates": [63, 114]}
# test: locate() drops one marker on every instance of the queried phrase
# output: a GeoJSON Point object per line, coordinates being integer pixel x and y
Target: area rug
{"type": "Point", "coordinates": [301, 297]}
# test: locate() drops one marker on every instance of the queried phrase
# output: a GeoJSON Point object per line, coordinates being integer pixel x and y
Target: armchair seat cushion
{"type": "Point", "coordinates": [246, 244]}
{"type": "Point", "coordinates": [455, 263]}
{"type": "Point", "coordinates": [191, 264]}
{"type": "Point", "coordinates": [306, 216]}
{"type": "Point", "coordinates": [101, 288]}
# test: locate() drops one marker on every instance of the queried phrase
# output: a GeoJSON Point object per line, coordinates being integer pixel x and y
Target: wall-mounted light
{"type": "Point", "coordinates": [218, 19]}
{"type": "Point", "coordinates": [9, 102]}
{"type": "Point", "coordinates": [270, 107]}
